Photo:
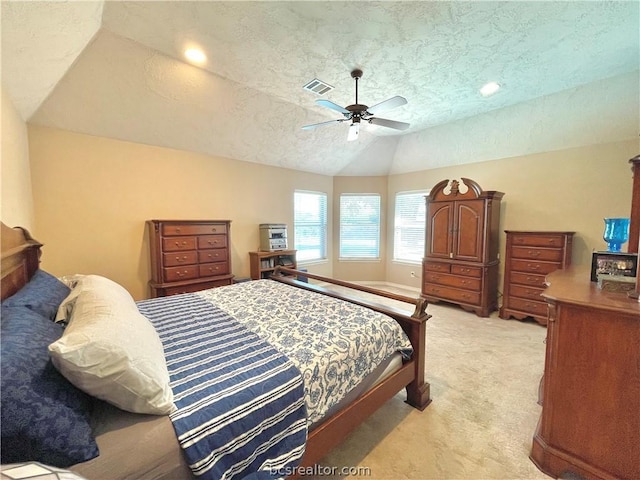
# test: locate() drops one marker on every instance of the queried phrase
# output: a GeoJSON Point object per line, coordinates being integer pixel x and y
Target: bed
{"type": "Point", "coordinates": [318, 415]}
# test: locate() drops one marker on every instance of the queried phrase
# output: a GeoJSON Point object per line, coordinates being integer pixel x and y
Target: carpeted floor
{"type": "Point", "coordinates": [484, 375]}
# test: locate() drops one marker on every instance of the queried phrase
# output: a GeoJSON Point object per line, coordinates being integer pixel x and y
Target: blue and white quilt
{"type": "Point", "coordinates": [334, 344]}
{"type": "Point", "coordinates": [240, 402]}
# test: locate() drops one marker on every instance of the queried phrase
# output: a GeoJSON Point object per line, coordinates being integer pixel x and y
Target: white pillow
{"type": "Point", "coordinates": [111, 351]}
{"type": "Point", "coordinates": [66, 307]}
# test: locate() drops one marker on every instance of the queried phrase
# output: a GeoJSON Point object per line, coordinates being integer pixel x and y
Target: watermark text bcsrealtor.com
{"type": "Point", "coordinates": [322, 471]}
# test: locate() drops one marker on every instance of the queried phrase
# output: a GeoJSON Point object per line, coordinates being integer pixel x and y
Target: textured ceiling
{"type": "Point", "coordinates": [569, 72]}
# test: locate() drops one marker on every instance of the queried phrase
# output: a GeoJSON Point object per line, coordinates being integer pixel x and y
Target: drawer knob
{"type": "Point", "coordinates": [213, 229]}
{"type": "Point", "coordinates": [534, 253]}
{"type": "Point", "coordinates": [465, 282]}
{"type": "Point", "coordinates": [178, 243]}
{"type": "Point", "coordinates": [183, 259]}
{"type": "Point", "coordinates": [534, 266]}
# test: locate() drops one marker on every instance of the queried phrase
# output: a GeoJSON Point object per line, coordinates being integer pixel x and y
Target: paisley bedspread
{"type": "Point", "coordinates": [334, 344]}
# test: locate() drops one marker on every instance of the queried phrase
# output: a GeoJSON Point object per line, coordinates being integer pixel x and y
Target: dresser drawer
{"type": "Point", "coordinates": [448, 293]}
{"type": "Point", "coordinates": [179, 258]}
{"type": "Point", "coordinates": [528, 279]}
{"type": "Point", "coordinates": [530, 293]}
{"type": "Point", "coordinates": [467, 271]}
{"type": "Point", "coordinates": [453, 280]}
{"type": "Point", "coordinates": [529, 306]}
{"type": "Point", "coordinates": [533, 266]}
{"type": "Point", "coordinates": [178, 243]}
{"type": "Point", "coordinates": [173, 230]}
{"type": "Point", "coordinates": [437, 267]}
{"type": "Point", "coordinates": [538, 240]}
{"type": "Point", "coordinates": [546, 254]}
{"type": "Point", "coordinates": [213, 255]}
{"type": "Point", "coordinates": [212, 241]}
{"type": "Point", "coordinates": [173, 274]}
{"type": "Point", "coordinates": [211, 269]}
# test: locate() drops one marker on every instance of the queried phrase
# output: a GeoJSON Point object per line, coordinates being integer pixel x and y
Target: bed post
{"type": "Point", "coordinates": [419, 390]}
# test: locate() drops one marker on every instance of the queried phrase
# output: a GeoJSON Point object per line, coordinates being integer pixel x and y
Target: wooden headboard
{"type": "Point", "coordinates": [20, 258]}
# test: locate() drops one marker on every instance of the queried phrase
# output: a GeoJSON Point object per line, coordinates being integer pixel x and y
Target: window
{"type": "Point", "coordinates": [408, 230]}
{"type": "Point", "coordinates": [310, 225]}
{"type": "Point", "coordinates": [360, 226]}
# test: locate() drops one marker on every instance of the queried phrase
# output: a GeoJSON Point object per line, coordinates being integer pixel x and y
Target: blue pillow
{"type": "Point", "coordinates": [44, 417]}
{"type": "Point", "coordinates": [42, 294]}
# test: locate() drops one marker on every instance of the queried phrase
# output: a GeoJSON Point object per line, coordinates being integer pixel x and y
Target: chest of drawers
{"type": "Point", "coordinates": [189, 255]}
{"type": "Point", "coordinates": [530, 256]}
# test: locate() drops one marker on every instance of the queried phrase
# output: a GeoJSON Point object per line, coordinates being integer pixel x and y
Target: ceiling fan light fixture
{"type": "Point", "coordinates": [354, 131]}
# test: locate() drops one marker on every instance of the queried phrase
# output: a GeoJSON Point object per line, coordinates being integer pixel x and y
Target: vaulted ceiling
{"type": "Point", "coordinates": [569, 73]}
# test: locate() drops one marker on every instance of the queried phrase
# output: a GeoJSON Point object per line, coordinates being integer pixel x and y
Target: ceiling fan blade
{"type": "Point", "coordinates": [310, 127]}
{"type": "Point", "coordinates": [333, 106]}
{"type": "Point", "coordinates": [388, 104]}
{"type": "Point", "coordinates": [383, 122]}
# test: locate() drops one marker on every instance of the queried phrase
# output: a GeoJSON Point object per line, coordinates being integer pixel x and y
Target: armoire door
{"type": "Point", "coordinates": [439, 230]}
{"type": "Point", "coordinates": [468, 230]}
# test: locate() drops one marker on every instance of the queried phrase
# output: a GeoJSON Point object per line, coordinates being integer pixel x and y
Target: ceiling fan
{"type": "Point", "coordinates": [357, 113]}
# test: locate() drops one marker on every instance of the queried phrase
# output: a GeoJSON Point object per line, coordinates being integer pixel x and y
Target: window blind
{"type": "Point", "coordinates": [310, 225]}
{"type": "Point", "coordinates": [360, 226]}
{"type": "Point", "coordinates": [409, 226]}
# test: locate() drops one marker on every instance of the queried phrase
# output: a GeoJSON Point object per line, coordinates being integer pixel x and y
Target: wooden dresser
{"type": "Point", "coordinates": [461, 246]}
{"type": "Point", "coordinates": [189, 255]}
{"type": "Point", "coordinates": [530, 256]}
{"type": "Point", "coordinates": [590, 421]}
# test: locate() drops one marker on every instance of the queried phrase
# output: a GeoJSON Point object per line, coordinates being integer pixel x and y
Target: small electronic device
{"type": "Point", "coordinates": [273, 237]}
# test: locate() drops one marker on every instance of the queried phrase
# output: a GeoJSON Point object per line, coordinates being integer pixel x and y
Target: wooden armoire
{"type": "Point", "coordinates": [461, 258]}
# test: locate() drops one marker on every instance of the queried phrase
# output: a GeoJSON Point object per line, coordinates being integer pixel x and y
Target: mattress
{"type": "Point", "coordinates": [144, 447]}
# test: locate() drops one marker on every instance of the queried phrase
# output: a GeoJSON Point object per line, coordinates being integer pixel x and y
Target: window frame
{"type": "Point", "coordinates": [377, 240]}
{"type": "Point", "coordinates": [322, 224]}
{"type": "Point", "coordinates": [397, 230]}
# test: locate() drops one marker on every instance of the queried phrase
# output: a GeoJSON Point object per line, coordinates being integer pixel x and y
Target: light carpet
{"type": "Point", "coordinates": [484, 375]}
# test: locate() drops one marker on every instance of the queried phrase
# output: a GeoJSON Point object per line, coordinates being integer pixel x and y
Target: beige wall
{"type": "Point", "coordinates": [17, 198]}
{"type": "Point", "coordinates": [92, 196]}
{"type": "Point", "coordinates": [359, 270]}
{"type": "Point", "coordinates": [567, 190]}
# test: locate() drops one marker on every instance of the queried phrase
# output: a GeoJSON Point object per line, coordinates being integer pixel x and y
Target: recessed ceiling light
{"type": "Point", "coordinates": [195, 55]}
{"type": "Point", "coordinates": [489, 89]}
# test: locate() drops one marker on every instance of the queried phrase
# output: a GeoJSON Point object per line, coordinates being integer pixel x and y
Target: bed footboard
{"type": "Point", "coordinates": [332, 431]}
{"type": "Point", "coordinates": [414, 324]}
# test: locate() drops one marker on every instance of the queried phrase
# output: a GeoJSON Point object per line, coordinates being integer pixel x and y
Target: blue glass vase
{"type": "Point", "coordinates": [616, 232]}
